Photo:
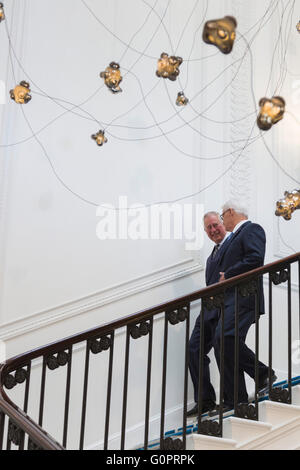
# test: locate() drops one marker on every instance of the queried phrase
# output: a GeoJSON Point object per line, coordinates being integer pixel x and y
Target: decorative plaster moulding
{"type": "Point", "coordinates": [95, 301]}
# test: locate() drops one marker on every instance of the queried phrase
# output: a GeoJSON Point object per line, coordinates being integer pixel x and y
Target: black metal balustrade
{"type": "Point", "coordinates": [17, 428]}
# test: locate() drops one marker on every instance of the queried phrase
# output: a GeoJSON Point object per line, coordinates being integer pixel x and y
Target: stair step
{"type": "Point", "coordinates": [242, 430]}
{"type": "Point", "coordinates": [201, 442]}
{"type": "Point", "coordinates": [296, 395]}
{"type": "Point", "coordinates": [282, 437]}
{"type": "Point", "coordinates": [277, 413]}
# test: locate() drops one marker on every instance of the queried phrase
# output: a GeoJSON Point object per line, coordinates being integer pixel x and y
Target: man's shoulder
{"type": "Point", "coordinates": [252, 227]}
{"type": "Point", "coordinates": [253, 230]}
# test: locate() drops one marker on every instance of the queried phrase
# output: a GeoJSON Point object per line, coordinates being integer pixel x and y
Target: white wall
{"type": "Point", "coordinates": [57, 277]}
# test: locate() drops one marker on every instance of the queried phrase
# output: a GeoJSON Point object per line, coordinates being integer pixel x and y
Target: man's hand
{"type": "Point", "coordinates": [222, 277]}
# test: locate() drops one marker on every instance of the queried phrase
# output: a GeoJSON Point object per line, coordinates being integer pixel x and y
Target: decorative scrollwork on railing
{"type": "Point", "coordinates": [280, 395]}
{"type": "Point", "coordinates": [249, 288]}
{"type": "Point", "coordinates": [279, 277]}
{"type": "Point", "coordinates": [177, 316]}
{"type": "Point", "coordinates": [101, 344]}
{"type": "Point", "coordinates": [210, 303]}
{"type": "Point", "coordinates": [171, 444]}
{"type": "Point", "coordinates": [210, 428]}
{"type": "Point", "coordinates": [59, 360]}
{"type": "Point", "coordinates": [137, 331]}
{"type": "Point", "coordinates": [33, 446]}
{"type": "Point", "coordinates": [246, 411]}
{"type": "Point", "coordinates": [15, 434]}
{"type": "Point", "coordinates": [11, 380]}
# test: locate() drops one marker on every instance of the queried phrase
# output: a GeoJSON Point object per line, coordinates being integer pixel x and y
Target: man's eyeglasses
{"type": "Point", "coordinates": [222, 215]}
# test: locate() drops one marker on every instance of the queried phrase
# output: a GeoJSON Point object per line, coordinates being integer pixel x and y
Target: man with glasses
{"type": "Point", "coordinates": [239, 247]}
{"type": "Point", "coordinates": [246, 251]}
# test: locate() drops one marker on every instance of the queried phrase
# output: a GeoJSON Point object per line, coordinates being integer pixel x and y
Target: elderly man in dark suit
{"type": "Point", "coordinates": [244, 252]}
{"type": "Point", "coordinates": [234, 253]}
{"type": "Point", "coordinates": [216, 231]}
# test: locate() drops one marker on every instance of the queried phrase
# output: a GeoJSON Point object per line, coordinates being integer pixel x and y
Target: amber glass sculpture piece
{"type": "Point", "coordinates": [2, 15]}
{"type": "Point", "coordinates": [100, 138]}
{"type": "Point", "coordinates": [112, 77]}
{"type": "Point", "coordinates": [286, 206]}
{"type": "Point", "coordinates": [221, 33]}
{"type": "Point", "coordinates": [181, 100]}
{"type": "Point", "coordinates": [271, 111]}
{"type": "Point", "coordinates": [168, 67]}
{"type": "Point", "coordinates": [21, 93]}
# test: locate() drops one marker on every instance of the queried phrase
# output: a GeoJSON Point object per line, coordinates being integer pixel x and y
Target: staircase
{"type": "Point", "coordinates": [278, 428]}
{"type": "Point", "coordinates": [57, 383]}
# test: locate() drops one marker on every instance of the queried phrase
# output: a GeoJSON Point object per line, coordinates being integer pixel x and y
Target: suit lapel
{"type": "Point", "coordinates": [213, 264]}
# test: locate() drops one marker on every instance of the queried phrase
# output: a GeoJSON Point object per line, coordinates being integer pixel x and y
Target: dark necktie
{"type": "Point", "coordinates": [216, 249]}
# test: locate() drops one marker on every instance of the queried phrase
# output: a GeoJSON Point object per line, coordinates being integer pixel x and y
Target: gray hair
{"type": "Point", "coordinates": [237, 206]}
{"type": "Point", "coordinates": [212, 213]}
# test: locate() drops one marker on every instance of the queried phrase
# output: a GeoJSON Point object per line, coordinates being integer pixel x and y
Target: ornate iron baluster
{"type": "Point", "coordinates": [270, 334]}
{"type": "Point", "coordinates": [18, 377]}
{"type": "Point", "coordinates": [173, 317]}
{"type": "Point", "coordinates": [171, 444]}
{"type": "Point", "coordinates": [289, 299]}
{"type": "Point", "coordinates": [42, 394]}
{"type": "Point", "coordinates": [211, 428]}
{"type": "Point", "coordinates": [147, 412]}
{"type": "Point", "coordinates": [67, 398]}
{"type": "Point", "coordinates": [125, 390]}
{"type": "Point", "coordinates": [201, 362]}
{"type": "Point", "coordinates": [109, 383]}
{"type": "Point", "coordinates": [33, 446]}
{"type": "Point", "coordinates": [279, 277]}
{"type": "Point", "coordinates": [236, 353]}
{"type": "Point", "coordinates": [186, 371]}
{"type": "Point", "coordinates": [97, 346]}
{"type": "Point", "coordinates": [2, 424]}
{"type": "Point", "coordinates": [277, 394]}
{"type": "Point", "coordinates": [85, 389]}
{"type": "Point", "coordinates": [15, 435]}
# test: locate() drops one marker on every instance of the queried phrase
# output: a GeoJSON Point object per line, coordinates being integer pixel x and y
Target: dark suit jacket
{"type": "Point", "coordinates": [243, 251]}
{"type": "Point", "coordinates": [212, 274]}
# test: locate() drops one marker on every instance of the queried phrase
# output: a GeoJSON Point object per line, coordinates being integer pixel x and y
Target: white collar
{"type": "Point", "coordinates": [239, 225]}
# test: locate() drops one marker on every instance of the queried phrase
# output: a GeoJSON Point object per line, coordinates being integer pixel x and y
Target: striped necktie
{"type": "Point", "coordinates": [216, 249]}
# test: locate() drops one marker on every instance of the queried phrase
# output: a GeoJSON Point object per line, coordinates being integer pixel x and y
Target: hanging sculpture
{"type": "Point", "coordinates": [21, 93]}
{"type": "Point", "coordinates": [181, 100]}
{"type": "Point", "coordinates": [168, 67]}
{"type": "Point", "coordinates": [221, 33]}
{"type": "Point", "coordinates": [112, 77]}
{"type": "Point", "coordinates": [2, 15]}
{"type": "Point", "coordinates": [286, 206]}
{"type": "Point", "coordinates": [271, 111]}
{"type": "Point", "coordinates": [99, 138]}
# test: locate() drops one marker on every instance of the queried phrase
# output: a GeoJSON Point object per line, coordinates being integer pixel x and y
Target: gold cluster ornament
{"type": "Point", "coordinates": [21, 93]}
{"type": "Point", "coordinates": [168, 67]}
{"type": "Point", "coordinates": [112, 77]}
{"type": "Point", "coordinates": [221, 33]}
{"type": "Point", "coordinates": [2, 15]}
{"type": "Point", "coordinates": [181, 100]}
{"type": "Point", "coordinates": [100, 138]}
{"type": "Point", "coordinates": [286, 206]}
{"type": "Point", "coordinates": [298, 26]}
{"type": "Point", "coordinates": [271, 111]}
